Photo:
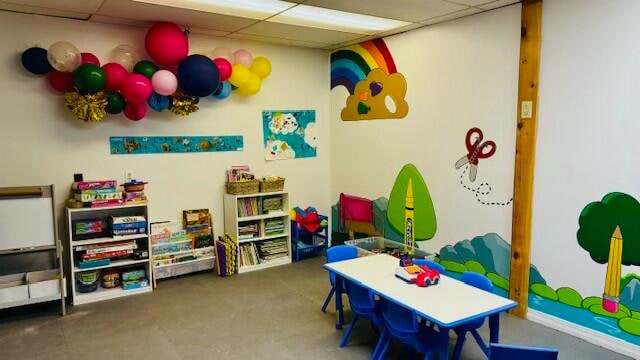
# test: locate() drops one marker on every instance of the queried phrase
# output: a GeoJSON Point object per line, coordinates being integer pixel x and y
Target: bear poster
{"type": "Point", "coordinates": [289, 134]}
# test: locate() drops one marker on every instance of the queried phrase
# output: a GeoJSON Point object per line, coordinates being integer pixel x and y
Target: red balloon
{"type": "Point", "coordinates": [224, 68]}
{"type": "Point", "coordinates": [135, 112]}
{"type": "Point", "coordinates": [89, 58]}
{"type": "Point", "coordinates": [61, 81]}
{"type": "Point", "coordinates": [166, 44]}
{"type": "Point", "coordinates": [115, 74]}
{"type": "Point", "coordinates": [136, 88]}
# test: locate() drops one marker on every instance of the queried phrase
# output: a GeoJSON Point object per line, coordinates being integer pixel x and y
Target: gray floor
{"type": "Point", "coordinates": [271, 314]}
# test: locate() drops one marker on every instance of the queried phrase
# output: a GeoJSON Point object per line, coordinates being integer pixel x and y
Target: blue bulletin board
{"type": "Point", "coordinates": [133, 145]}
{"type": "Point", "coordinates": [289, 134]}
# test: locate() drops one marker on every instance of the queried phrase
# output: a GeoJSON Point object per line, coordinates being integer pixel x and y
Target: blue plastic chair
{"type": "Point", "coordinates": [401, 324]}
{"type": "Point", "coordinates": [338, 253]}
{"type": "Point", "coordinates": [481, 282]}
{"type": "Point", "coordinates": [430, 264]}
{"type": "Point", "coordinates": [363, 304]}
{"type": "Point", "coordinates": [508, 352]}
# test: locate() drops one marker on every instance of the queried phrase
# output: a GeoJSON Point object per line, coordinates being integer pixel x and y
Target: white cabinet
{"type": "Point", "coordinates": [260, 224]}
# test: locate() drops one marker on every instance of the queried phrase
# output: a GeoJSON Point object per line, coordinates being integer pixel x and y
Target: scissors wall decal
{"type": "Point", "coordinates": [476, 149]}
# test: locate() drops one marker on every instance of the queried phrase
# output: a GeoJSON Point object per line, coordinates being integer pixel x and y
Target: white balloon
{"type": "Point", "coordinates": [222, 52]}
{"type": "Point", "coordinates": [124, 55]}
{"type": "Point", "coordinates": [64, 56]}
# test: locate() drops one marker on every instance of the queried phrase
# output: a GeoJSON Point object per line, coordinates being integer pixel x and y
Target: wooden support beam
{"type": "Point", "coordinates": [525, 154]}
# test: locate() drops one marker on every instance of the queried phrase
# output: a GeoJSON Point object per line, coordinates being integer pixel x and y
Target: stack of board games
{"type": "Point", "coordinates": [94, 255]}
{"type": "Point", "coordinates": [96, 193]}
{"type": "Point", "coordinates": [128, 225]}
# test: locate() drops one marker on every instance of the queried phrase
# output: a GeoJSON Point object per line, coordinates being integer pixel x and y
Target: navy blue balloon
{"type": "Point", "coordinates": [35, 61]}
{"type": "Point", "coordinates": [198, 76]}
{"type": "Point", "coordinates": [158, 102]}
{"type": "Point", "coordinates": [224, 90]}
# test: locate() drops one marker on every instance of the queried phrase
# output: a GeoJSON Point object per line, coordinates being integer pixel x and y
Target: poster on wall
{"type": "Point", "coordinates": [368, 72]}
{"type": "Point", "coordinates": [289, 134]}
{"type": "Point", "coordinates": [133, 145]}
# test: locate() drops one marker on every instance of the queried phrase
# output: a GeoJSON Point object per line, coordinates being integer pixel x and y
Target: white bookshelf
{"type": "Point", "coordinates": [233, 221]}
{"type": "Point", "coordinates": [143, 240]}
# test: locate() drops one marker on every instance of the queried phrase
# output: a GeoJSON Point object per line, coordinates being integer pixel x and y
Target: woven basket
{"type": "Point", "coordinates": [243, 187]}
{"type": "Point", "coordinates": [272, 185]}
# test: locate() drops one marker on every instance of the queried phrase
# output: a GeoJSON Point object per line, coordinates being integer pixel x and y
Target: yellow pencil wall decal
{"type": "Point", "coordinates": [611, 296]}
{"type": "Point", "coordinates": [409, 241]}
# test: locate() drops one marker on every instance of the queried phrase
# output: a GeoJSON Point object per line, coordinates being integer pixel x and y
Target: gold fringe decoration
{"type": "Point", "coordinates": [88, 108]}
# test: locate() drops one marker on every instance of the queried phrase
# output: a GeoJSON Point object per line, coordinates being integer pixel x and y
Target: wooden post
{"type": "Point", "coordinates": [525, 154]}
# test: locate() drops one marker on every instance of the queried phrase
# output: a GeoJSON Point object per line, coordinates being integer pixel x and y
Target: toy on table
{"type": "Point", "coordinates": [420, 275]}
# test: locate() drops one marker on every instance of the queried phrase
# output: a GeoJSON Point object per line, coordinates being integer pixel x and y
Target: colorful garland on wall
{"type": "Point", "coordinates": [173, 81]}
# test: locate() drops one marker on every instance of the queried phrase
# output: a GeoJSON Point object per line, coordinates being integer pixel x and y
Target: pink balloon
{"type": "Point", "coordinates": [243, 57]}
{"type": "Point", "coordinates": [224, 68]}
{"type": "Point", "coordinates": [135, 112]}
{"type": "Point", "coordinates": [89, 58]}
{"type": "Point", "coordinates": [164, 82]}
{"type": "Point", "coordinates": [166, 44]}
{"type": "Point", "coordinates": [115, 74]}
{"type": "Point", "coordinates": [136, 88]}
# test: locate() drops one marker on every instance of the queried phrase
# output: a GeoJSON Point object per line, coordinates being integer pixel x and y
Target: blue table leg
{"type": "Point", "coordinates": [494, 328]}
{"type": "Point", "coordinates": [443, 343]}
{"type": "Point", "coordinates": [339, 285]}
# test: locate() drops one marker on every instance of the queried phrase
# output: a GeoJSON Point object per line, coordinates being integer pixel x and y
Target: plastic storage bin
{"type": "Point", "coordinates": [44, 283]}
{"type": "Point", "coordinates": [305, 242]}
{"type": "Point", "coordinates": [13, 288]}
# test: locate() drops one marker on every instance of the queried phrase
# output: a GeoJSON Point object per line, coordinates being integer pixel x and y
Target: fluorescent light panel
{"type": "Point", "coordinates": [288, 13]}
{"type": "Point", "coordinates": [252, 9]}
{"type": "Point", "coordinates": [329, 19]}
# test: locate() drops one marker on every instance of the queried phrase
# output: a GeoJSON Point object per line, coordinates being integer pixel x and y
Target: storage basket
{"type": "Point", "coordinates": [243, 187]}
{"type": "Point", "coordinates": [273, 184]}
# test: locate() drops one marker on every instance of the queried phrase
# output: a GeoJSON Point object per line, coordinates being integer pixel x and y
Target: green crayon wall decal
{"type": "Point", "coordinates": [423, 216]}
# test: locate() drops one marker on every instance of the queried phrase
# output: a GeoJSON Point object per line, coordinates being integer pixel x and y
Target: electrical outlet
{"type": "Point", "coordinates": [526, 110]}
{"type": "Point", "coordinates": [128, 175]}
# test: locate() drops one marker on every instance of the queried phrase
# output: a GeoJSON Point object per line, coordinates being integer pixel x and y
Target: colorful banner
{"type": "Point", "coordinates": [134, 145]}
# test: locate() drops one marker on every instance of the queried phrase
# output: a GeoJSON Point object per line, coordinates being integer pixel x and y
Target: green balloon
{"type": "Point", "coordinates": [115, 102]}
{"type": "Point", "coordinates": [89, 78]}
{"type": "Point", "coordinates": [146, 68]}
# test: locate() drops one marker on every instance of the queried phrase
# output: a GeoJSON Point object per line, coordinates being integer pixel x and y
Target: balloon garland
{"type": "Point", "coordinates": [170, 80]}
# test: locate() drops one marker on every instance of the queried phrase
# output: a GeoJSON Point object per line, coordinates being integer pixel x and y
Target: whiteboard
{"type": "Point", "coordinates": [26, 222]}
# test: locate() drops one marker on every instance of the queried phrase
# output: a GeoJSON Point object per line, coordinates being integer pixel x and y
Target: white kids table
{"type": "Point", "coordinates": [449, 304]}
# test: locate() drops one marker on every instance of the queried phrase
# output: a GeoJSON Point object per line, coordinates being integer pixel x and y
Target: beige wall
{"type": "Point", "coordinates": [42, 143]}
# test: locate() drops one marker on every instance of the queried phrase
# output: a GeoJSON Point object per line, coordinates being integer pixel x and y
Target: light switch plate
{"type": "Point", "coordinates": [526, 111]}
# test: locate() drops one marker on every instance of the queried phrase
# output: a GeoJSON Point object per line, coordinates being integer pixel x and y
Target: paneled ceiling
{"type": "Point", "coordinates": [292, 22]}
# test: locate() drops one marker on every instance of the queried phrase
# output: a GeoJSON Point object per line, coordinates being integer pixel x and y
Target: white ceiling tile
{"type": "Point", "coordinates": [455, 15]}
{"type": "Point", "coordinates": [211, 32]}
{"type": "Point", "coordinates": [73, 6]}
{"type": "Point", "coordinates": [468, 2]}
{"type": "Point", "coordinates": [30, 9]}
{"type": "Point", "coordinates": [127, 9]}
{"type": "Point", "coordinates": [400, 30]}
{"type": "Point", "coordinates": [299, 33]}
{"type": "Point", "coordinates": [405, 10]}
{"type": "Point", "coordinates": [119, 21]}
{"type": "Point", "coordinates": [275, 40]}
{"type": "Point", "coordinates": [498, 3]}
{"type": "Point", "coordinates": [252, 9]}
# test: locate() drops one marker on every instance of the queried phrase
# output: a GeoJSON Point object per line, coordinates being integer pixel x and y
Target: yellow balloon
{"type": "Point", "coordinates": [261, 66]}
{"type": "Point", "coordinates": [254, 84]}
{"type": "Point", "coordinates": [240, 75]}
{"type": "Point", "coordinates": [252, 87]}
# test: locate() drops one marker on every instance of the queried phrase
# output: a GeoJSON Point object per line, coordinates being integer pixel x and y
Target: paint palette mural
{"type": "Point", "coordinates": [368, 72]}
{"type": "Point", "coordinates": [289, 134]}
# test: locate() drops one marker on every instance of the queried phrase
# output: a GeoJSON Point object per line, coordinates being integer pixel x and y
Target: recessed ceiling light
{"type": "Point", "coordinates": [317, 17]}
{"type": "Point", "coordinates": [253, 9]}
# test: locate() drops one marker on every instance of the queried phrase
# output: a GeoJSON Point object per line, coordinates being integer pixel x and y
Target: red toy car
{"type": "Point", "coordinates": [427, 277]}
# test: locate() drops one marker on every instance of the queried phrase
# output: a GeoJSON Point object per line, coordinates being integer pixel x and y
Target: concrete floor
{"type": "Point", "coordinates": [270, 314]}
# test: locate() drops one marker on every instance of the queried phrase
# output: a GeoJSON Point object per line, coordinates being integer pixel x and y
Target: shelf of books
{"type": "Point", "coordinates": [260, 223]}
{"type": "Point", "coordinates": [108, 249]}
{"type": "Point", "coordinates": [180, 249]}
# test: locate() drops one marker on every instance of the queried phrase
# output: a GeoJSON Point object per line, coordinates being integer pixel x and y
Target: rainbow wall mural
{"type": "Point", "coordinates": [368, 72]}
